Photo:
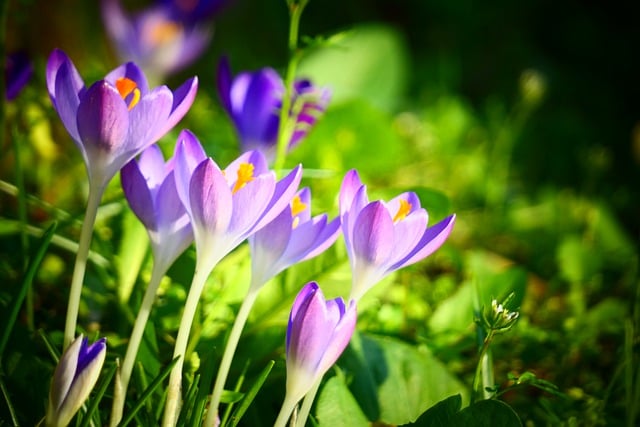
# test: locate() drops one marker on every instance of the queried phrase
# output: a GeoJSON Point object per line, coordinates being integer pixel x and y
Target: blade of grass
{"type": "Point", "coordinates": [26, 284]}
{"type": "Point", "coordinates": [237, 388]}
{"type": "Point", "coordinates": [205, 385]}
{"type": "Point", "coordinates": [99, 394]}
{"type": "Point", "coordinates": [149, 390]}
{"type": "Point", "coordinates": [189, 403]}
{"type": "Point", "coordinates": [5, 394]}
{"type": "Point", "coordinates": [251, 394]}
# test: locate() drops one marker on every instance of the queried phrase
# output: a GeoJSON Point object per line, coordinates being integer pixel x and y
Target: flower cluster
{"type": "Point", "coordinates": [189, 198]}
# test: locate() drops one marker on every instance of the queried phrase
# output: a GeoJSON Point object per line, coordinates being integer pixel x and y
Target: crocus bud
{"type": "Point", "coordinates": [317, 334]}
{"type": "Point", "coordinates": [73, 380]}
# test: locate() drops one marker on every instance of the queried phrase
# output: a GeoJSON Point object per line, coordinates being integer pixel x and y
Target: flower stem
{"type": "Point", "coordinates": [306, 404]}
{"type": "Point", "coordinates": [483, 377]}
{"type": "Point", "coordinates": [75, 292]}
{"type": "Point", "coordinates": [124, 374]}
{"type": "Point", "coordinates": [229, 351]}
{"type": "Point", "coordinates": [172, 405]}
{"type": "Point", "coordinates": [285, 412]}
{"type": "Point", "coordinates": [286, 125]}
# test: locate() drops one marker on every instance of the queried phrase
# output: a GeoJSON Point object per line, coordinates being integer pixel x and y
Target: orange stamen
{"type": "Point", "coordinates": [297, 206]}
{"type": "Point", "coordinates": [164, 32]}
{"type": "Point", "coordinates": [245, 174]}
{"type": "Point", "coordinates": [403, 211]}
{"type": "Point", "coordinates": [128, 87]}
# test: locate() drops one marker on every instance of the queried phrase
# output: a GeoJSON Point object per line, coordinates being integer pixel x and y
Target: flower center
{"type": "Point", "coordinates": [245, 174]}
{"type": "Point", "coordinates": [403, 211]}
{"type": "Point", "coordinates": [128, 87]}
{"type": "Point", "coordinates": [297, 207]}
{"type": "Point", "coordinates": [164, 32]}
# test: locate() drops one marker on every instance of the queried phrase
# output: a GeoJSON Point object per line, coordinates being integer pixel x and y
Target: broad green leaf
{"type": "Point", "coordinates": [336, 406]}
{"type": "Point", "coordinates": [485, 413]}
{"type": "Point", "coordinates": [377, 63]}
{"type": "Point", "coordinates": [395, 382]}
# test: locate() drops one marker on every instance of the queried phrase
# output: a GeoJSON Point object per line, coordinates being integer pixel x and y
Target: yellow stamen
{"type": "Point", "coordinates": [297, 206]}
{"type": "Point", "coordinates": [245, 174]}
{"type": "Point", "coordinates": [403, 211]}
{"type": "Point", "coordinates": [126, 87]}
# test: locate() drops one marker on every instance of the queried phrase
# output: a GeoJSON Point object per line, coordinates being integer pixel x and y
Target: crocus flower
{"type": "Point", "coordinates": [150, 189]}
{"type": "Point", "coordinates": [18, 71]}
{"type": "Point", "coordinates": [73, 380]}
{"type": "Point", "coordinates": [317, 334]}
{"type": "Point", "coordinates": [228, 206]}
{"type": "Point", "coordinates": [382, 237]}
{"type": "Point", "coordinates": [293, 236]}
{"type": "Point", "coordinates": [253, 101]}
{"type": "Point", "coordinates": [116, 118]}
{"type": "Point", "coordinates": [164, 38]}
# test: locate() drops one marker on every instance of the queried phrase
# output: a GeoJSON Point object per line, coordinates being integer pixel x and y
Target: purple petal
{"type": "Point", "coordinates": [284, 192]}
{"type": "Point", "coordinates": [407, 233]}
{"type": "Point", "coordinates": [146, 116]}
{"type": "Point", "coordinates": [249, 203]}
{"type": "Point", "coordinates": [350, 186]}
{"type": "Point", "coordinates": [342, 334]}
{"type": "Point", "coordinates": [88, 353]}
{"type": "Point", "coordinates": [18, 71]}
{"type": "Point", "coordinates": [254, 157]}
{"type": "Point", "coordinates": [137, 193]}
{"type": "Point", "coordinates": [152, 167]}
{"type": "Point", "coordinates": [103, 119]}
{"type": "Point", "coordinates": [224, 81]}
{"type": "Point", "coordinates": [68, 87]}
{"type": "Point", "coordinates": [373, 234]}
{"type": "Point", "coordinates": [211, 202]}
{"type": "Point", "coordinates": [300, 303]}
{"type": "Point", "coordinates": [183, 98]}
{"type": "Point", "coordinates": [431, 240]}
{"type": "Point", "coordinates": [327, 237]}
{"type": "Point", "coordinates": [187, 156]}
{"type": "Point", "coordinates": [268, 246]}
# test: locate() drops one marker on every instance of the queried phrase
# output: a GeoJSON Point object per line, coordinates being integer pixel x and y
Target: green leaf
{"type": "Point", "coordinates": [485, 413]}
{"type": "Point", "coordinates": [336, 406]}
{"type": "Point", "coordinates": [395, 382]}
{"type": "Point", "coordinates": [377, 60]}
{"type": "Point", "coordinates": [131, 254]}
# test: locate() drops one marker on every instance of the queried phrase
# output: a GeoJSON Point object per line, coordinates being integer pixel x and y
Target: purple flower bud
{"type": "Point", "coordinates": [73, 380]}
{"type": "Point", "coordinates": [150, 189]}
{"type": "Point", "coordinates": [18, 71]}
{"type": "Point", "coordinates": [382, 237]}
{"type": "Point", "coordinates": [116, 118]}
{"type": "Point", "coordinates": [253, 101]}
{"type": "Point", "coordinates": [317, 334]}
{"type": "Point", "coordinates": [293, 236]}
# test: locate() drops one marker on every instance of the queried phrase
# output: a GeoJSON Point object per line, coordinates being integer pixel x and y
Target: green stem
{"type": "Point", "coordinates": [483, 377]}
{"type": "Point", "coordinates": [285, 412]}
{"type": "Point", "coordinates": [75, 292]}
{"type": "Point", "coordinates": [124, 375]}
{"type": "Point", "coordinates": [229, 351]}
{"type": "Point", "coordinates": [172, 405]}
{"type": "Point", "coordinates": [286, 125]}
{"type": "Point", "coordinates": [307, 403]}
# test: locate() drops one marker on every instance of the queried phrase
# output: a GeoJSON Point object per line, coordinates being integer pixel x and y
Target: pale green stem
{"type": "Point", "coordinates": [285, 412]}
{"type": "Point", "coordinates": [229, 351]}
{"type": "Point", "coordinates": [172, 405]}
{"type": "Point", "coordinates": [483, 377]}
{"type": "Point", "coordinates": [75, 292]}
{"type": "Point", "coordinates": [124, 374]}
{"type": "Point", "coordinates": [286, 125]}
{"type": "Point", "coordinates": [307, 403]}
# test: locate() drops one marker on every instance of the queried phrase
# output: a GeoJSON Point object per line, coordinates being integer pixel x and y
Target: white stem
{"type": "Point", "coordinates": [172, 405]}
{"type": "Point", "coordinates": [285, 412]}
{"type": "Point", "coordinates": [75, 291]}
{"type": "Point", "coordinates": [306, 404]}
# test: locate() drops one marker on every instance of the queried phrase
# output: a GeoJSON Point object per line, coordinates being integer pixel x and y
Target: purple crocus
{"type": "Point", "coordinates": [228, 206]}
{"type": "Point", "coordinates": [164, 38]}
{"type": "Point", "coordinates": [116, 118]}
{"type": "Point", "coordinates": [18, 71]}
{"type": "Point", "coordinates": [253, 101]}
{"type": "Point", "coordinates": [73, 380]}
{"type": "Point", "coordinates": [382, 237]}
{"type": "Point", "coordinates": [293, 236]}
{"type": "Point", "coordinates": [150, 189]}
{"type": "Point", "coordinates": [317, 334]}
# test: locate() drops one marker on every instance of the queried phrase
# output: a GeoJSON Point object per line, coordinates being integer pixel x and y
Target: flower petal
{"type": "Point", "coordinates": [373, 235]}
{"type": "Point", "coordinates": [284, 192]}
{"type": "Point", "coordinates": [138, 195]}
{"type": "Point", "coordinates": [211, 201]}
{"type": "Point", "coordinates": [187, 156]}
{"type": "Point", "coordinates": [431, 240]}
